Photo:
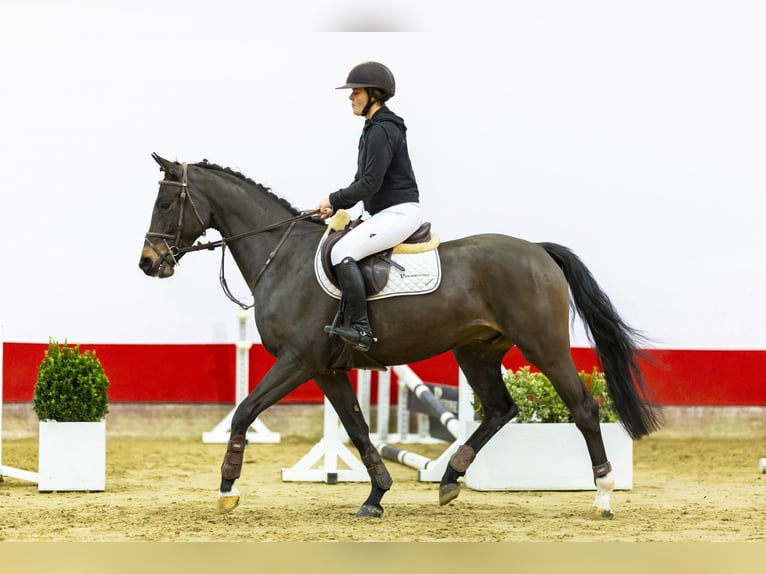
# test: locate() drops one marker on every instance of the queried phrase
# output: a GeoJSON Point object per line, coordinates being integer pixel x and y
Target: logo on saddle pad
{"type": "Point", "coordinates": [410, 268]}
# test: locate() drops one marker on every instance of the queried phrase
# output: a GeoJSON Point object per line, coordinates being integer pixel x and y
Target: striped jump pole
{"type": "Point", "coordinates": [430, 470]}
{"type": "Point", "coordinates": [408, 377]}
{"type": "Point", "coordinates": [402, 456]}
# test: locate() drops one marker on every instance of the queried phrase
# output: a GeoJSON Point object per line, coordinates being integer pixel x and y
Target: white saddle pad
{"type": "Point", "coordinates": [421, 275]}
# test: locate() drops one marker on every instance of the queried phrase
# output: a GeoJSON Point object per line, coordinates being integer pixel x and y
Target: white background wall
{"type": "Point", "coordinates": [632, 132]}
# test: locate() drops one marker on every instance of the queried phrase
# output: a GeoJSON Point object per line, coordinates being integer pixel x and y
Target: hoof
{"type": "Point", "coordinates": [448, 493]}
{"type": "Point", "coordinates": [369, 511]}
{"type": "Point", "coordinates": [605, 513]}
{"type": "Point", "coordinates": [227, 503]}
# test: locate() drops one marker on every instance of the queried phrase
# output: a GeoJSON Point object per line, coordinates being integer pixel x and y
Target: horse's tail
{"type": "Point", "coordinates": [616, 345]}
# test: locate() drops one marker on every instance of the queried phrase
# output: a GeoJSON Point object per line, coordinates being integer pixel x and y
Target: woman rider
{"type": "Point", "coordinates": [384, 183]}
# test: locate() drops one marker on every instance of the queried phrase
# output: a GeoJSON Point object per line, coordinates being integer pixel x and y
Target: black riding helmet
{"type": "Point", "coordinates": [371, 75]}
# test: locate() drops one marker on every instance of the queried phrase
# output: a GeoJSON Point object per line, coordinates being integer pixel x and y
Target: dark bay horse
{"type": "Point", "coordinates": [497, 291]}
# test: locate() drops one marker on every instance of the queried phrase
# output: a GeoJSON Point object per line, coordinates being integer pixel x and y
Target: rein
{"type": "Point", "coordinates": [222, 243]}
{"type": "Point", "coordinates": [174, 251]}
{"type": "Point", "coordinates": [211, 245]}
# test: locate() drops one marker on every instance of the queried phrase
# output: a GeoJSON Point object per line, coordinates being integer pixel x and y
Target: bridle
{"type": "Point", "coordinates": [174, 251]}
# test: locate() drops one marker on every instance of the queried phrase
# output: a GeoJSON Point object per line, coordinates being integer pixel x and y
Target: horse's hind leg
{"type": "Point", "coordinates": [481, 364]}
{"type": "Point", "coordinates": [584, 409]}
{"type": "Point", "coordinates": [338, 390]}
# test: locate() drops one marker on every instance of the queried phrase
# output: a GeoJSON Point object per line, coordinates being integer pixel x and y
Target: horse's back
{"type": "Point", "coordinates": [497, 250]}
{"type": "Point", "coordinates": [496, 267]}
{"type": "Point", "coordinates": [490, 241]}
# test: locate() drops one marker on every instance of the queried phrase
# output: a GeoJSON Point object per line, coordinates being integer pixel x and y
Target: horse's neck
{"type": "Point", "coordinates": [251, 214]}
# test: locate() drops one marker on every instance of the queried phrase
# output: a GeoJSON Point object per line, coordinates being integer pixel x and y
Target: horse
{"type": "Point", "coordinates": [498, 292]}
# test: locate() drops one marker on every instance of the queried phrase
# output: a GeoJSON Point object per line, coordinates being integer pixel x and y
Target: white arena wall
{"type": "Point", "coordinates": [632, 134]}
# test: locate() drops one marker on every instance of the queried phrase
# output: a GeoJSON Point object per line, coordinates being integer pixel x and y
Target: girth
{"type": "Point", "coordinates": [376, 267]}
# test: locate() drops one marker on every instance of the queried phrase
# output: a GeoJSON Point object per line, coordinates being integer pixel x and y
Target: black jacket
{"type": "Point", "coordinates": [384, 175]}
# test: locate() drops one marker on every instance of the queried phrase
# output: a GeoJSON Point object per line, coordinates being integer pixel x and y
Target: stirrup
{"type": "Point", "coordinates": [359, 340]}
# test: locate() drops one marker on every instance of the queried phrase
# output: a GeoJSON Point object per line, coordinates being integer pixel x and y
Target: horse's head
{"type": "Point", "coordinates": [177, 220]}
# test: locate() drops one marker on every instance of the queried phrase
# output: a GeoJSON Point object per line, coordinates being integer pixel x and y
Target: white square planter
{"type": "Point", "coordinates": [72, 456]}
{"type": "Point", "coordinates": [547, 456]}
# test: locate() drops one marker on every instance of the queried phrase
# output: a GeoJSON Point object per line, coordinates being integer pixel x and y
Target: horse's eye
{"type": "Point", "coordinates": [163, 204]}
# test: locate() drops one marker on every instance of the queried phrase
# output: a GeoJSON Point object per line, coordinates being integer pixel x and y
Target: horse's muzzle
{"type": "Point", "coordinates": [154, 265]}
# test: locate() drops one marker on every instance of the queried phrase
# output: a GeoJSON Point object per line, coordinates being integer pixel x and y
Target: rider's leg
{"type": "Point", "coordinates": [359, 334]}
{"type": "Point", "coordinates": [378, 233]}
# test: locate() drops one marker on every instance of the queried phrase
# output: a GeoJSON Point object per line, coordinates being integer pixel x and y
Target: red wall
{"type": "Point", "coordinates": [206, 373]}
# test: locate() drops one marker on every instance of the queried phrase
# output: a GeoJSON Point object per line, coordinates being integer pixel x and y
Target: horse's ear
{"type": "Point", "coordinates": [170, 167]}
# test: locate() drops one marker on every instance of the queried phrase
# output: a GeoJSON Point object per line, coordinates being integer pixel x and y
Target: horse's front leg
{"type": "Point", "coordinates": [284, 376]}
{"type": "Point", "coordinates": [340, 393]}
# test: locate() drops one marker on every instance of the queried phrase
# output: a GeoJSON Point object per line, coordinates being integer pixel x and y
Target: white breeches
{"type": "Point", "coordinates": [378, 233]}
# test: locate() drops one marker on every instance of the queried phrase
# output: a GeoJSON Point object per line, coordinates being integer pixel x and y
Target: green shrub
{"type": "Point", "coordinates": [71, 386]}
{"type": "Point", "coordinates": [538, 402]}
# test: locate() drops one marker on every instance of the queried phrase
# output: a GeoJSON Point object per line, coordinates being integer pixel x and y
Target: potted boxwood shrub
{"type": "Point", "coordinates": [71, 401]}
{"type": "Point", "coordinates": [542, 449]}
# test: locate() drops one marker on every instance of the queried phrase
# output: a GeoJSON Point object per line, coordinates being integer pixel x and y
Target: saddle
{"type": "Point", "coordinates": [376, 267]}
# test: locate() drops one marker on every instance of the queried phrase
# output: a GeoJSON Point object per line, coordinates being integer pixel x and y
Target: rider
{"type": "Point", "coordinates": [386, 185]}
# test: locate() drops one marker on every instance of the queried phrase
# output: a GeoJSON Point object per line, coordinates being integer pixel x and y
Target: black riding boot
{"type": "Point", "coordinates": [359, 334]}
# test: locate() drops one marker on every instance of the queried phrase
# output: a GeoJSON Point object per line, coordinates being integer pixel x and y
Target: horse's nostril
{"type": "Point", "coordinates": [145, 264]}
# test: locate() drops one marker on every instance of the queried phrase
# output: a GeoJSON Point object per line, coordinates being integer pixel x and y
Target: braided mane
{"type": "Point", "coordinates": [205, 164]}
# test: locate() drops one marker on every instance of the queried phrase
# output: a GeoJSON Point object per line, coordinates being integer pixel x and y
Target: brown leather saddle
{"type": "Point", "coordinates": [376, 267]}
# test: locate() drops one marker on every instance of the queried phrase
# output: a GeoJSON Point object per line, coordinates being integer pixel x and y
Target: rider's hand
{"type": "Point", "coordinates": [325, 208]}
